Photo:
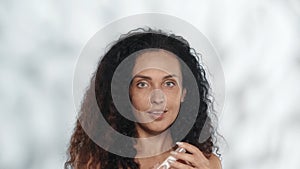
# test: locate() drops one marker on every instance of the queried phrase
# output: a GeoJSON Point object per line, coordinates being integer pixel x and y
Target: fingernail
{"type": "Point", "coordinates": [171, 161]}
{"type": "Point", "coordinates": [179, 143]}
{"type": "Point", "coordinates": [174, 152]}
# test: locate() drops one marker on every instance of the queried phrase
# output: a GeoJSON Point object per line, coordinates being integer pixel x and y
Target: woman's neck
{"type": "Point", "coordinates": [151, 145]}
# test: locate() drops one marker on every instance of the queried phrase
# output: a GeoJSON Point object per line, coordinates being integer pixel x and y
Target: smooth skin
{"type": "Point", "coordinates": [157, 84]}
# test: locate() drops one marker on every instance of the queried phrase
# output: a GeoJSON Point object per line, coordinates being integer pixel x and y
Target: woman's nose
{"type": "Point", "coordinates": [157, 96]}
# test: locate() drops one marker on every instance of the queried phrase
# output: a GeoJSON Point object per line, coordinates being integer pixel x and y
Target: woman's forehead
{"type": "Point", "coordinates": [157, 59]}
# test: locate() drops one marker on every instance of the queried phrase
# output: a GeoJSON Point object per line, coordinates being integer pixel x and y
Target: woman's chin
{"type": "Point", "coordinates": [152, 129]}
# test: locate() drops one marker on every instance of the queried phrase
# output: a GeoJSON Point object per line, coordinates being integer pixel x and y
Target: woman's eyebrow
{"type": "Point", "coordinates": [149, 78]}
{"type": "Point", "coordinates": [142, 76]}
{"type": "Point", "coordinates": [170, 76]}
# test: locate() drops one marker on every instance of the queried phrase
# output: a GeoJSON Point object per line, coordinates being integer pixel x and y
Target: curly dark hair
{"type": "Point", "coordinates": [83, 152]}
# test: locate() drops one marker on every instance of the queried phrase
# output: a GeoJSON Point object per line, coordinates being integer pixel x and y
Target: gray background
{"type": "Point", "coordinates": [258, 42]}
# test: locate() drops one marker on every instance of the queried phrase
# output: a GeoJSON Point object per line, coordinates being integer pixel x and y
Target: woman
{"type": "Point", "coordinates": [165, 102]}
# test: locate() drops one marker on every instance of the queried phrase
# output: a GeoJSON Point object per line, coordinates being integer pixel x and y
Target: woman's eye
{"type": "Point", "coordinates": [142, 85]}
{"type": "Point", "coordinates": [169, 84]}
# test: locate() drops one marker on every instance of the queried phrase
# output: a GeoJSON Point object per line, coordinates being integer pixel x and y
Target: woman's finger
{"type": "Point", "coordinates": [188, 158]}
{"type": "Point", "coordinates": [191, 148]}
{"type": "Point", "coordinates": [178, 165]}
{"type": "Point", "coordinates": [196, 158]}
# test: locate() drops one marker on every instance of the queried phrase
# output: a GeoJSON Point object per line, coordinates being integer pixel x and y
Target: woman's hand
{"type": "Point", "coordinates": [194, 160]}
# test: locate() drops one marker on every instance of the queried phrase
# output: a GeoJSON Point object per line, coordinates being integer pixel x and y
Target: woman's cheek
{"type": "Point", "coordinates": [140, 101]}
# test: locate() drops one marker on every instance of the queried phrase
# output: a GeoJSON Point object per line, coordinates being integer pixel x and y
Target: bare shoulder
{"type": "Point", "coordinates": [215, 162]}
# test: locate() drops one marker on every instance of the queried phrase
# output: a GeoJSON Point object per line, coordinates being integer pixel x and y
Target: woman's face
{"type": "Point", "coordinates": [156, 91]}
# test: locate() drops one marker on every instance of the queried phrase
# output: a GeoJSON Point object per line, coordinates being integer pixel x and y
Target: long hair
{"type": "Point", "coordinates": [83, 152]}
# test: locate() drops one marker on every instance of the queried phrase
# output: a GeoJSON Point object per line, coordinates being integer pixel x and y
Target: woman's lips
{"type": "Point", "coordinates": [157, 114]}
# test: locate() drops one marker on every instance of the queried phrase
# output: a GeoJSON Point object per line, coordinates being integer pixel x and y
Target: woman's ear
{"type": "Point", "coordinates": [183, 95]}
